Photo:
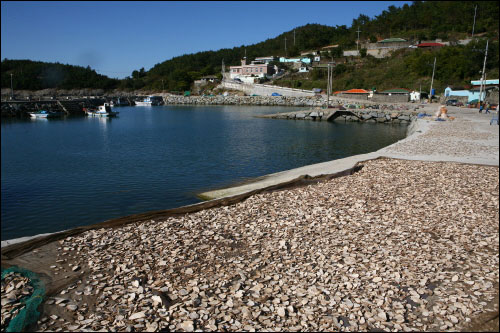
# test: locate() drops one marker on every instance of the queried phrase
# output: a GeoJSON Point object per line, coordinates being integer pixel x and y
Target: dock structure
{"type": "Point", "coordinates": [358, 115]}
{"type": "Point", "coordinates": [73, 107]}
{"type": "Point", "coordinates": [69, 107]}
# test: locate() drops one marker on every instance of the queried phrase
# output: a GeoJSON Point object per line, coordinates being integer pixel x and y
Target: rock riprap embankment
{"type": "Point", "coordinates": [244, 100]}
{"type": "Point", "coordinates": [400, 246]}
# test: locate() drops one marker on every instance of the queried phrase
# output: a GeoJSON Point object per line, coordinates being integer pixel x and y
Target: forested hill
{"type": "Point", "coordinates": [37, 75]}
{"type": "Point", "coordinates": [448, 20]}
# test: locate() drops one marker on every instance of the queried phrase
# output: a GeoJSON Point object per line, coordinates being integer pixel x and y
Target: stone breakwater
{"type": "Point", "coordinates": [316, 101]}
{"type": "Point", "coordinates": [398, 246]}
{"type": "Point", "coordinates": [245, 100]}
{"type": "Point", "coordinates": [357, 115]}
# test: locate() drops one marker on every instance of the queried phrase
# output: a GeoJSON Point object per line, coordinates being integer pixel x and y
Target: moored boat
{"type": "Point", "coordinates": [45, 114]}
{"type": "Point", "coordinates": [150, 101]}
{"type": "Point", "coordinates": [102, 111]}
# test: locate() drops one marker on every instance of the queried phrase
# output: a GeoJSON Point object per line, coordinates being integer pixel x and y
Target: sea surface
{"type": "Point", "coordinates": [62, 173]}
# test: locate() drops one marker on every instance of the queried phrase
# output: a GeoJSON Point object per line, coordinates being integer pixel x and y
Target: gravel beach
{"type": "Point", "coordinates": [401, 245]}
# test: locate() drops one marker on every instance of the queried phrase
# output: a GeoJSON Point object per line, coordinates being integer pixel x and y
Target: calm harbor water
{"type": "Point", "coordinates": [62, 173]}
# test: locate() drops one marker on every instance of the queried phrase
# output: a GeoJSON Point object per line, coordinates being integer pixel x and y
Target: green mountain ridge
{"type": "Point", "coordinates": [419, 21]}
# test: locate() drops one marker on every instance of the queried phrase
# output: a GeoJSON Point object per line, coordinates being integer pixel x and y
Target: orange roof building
{"type": "Point", "coordinates": [356, 91]}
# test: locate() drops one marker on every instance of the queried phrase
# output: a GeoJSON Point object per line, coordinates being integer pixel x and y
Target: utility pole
{"type": "Point", "coordinates": [285, 46]}
{"type": "Point", "coordinates": [11, 87]}
{"type": "Point", "coordinates": [474, 24]}
{"type": "Point", "coordinates": [223, 70]}
{"type": "Point", "coordinates": [432, 80]}
{"type": "Point", "coordinates": [357, 42]}
{"type": "Point", "coordinates": [331, 78]}
{"type": "Point", "coordinates": [328, 88]}
{"type": "Point", "coordinates": [293, 37]}
{"type": "Point", "coordinates": [162, 86]}
{"type": "Point", "coordinates": [329, 83]}
{"type": "Point", "coordinates": [482, 76]}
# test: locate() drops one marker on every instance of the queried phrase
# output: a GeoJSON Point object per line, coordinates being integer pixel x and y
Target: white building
{"type": "Point", "coordinates": [414, 96]}
{"type": "Point", "coordinates": [264, 60]}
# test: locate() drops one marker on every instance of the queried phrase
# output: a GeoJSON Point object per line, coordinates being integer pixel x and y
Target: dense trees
{"type": "Point", "coordinates": [36, 75]}
{"type": "Point", "coordinates": [406, 68]}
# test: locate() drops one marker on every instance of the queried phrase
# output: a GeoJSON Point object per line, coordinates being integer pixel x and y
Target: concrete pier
{"type": "Point", "coordinates": [337, 114]}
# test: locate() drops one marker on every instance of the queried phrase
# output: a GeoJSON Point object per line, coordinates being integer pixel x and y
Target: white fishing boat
{"type": "Point", "coordinates": [102, 111]}
{"type": "Point", "coordinates": [150, 101]}
{"type": "Point", "coordinates": [46, 114]}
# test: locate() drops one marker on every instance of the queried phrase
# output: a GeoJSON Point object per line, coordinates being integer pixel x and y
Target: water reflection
{"type": "Point", "coordinates": [103, 123]}
{"type": "Point", "coordinates": [39, 119]}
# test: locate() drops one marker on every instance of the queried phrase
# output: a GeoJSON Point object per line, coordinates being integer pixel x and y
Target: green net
{"type": "Point", "coordinates": [29, 314]}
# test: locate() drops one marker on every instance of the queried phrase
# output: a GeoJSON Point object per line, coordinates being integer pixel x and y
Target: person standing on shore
{"type": "Point", "coordinates": [487, 108]}
{"type": "Point", "coordinates": [480, 107]}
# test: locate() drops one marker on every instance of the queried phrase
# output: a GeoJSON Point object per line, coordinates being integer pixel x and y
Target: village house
{"type": "Point", "coordinates": [316, 55]}
{"type": "Point", "coordinates": [207, 79]}
{"type": "Point", "coordinates": [396, 95]}
{"type": "Point", "coordinates": [255, 69]}
{"type": "Point", "coordinates": [305, 60]}
{"type": "Point", "coordinates": [469, 95]}
{"type": "Point", "coordinates": [380, 49]}
{"type": "Point", "coordinates": [430, 46]}
{"type": "Point", "coordinates": [264, 60]}
{"type": "Point", "coordinates": [306, 53]}
{"type": "Point", "coordinates": [360, 94]}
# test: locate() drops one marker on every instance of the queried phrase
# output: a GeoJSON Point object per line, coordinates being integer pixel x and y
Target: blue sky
{"type": "Point", "coordinates": [115, 38]}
